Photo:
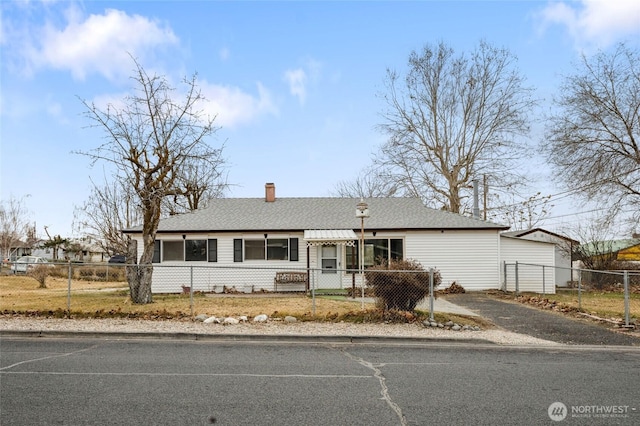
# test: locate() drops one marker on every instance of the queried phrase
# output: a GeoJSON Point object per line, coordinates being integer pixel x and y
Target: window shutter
{"type": "Point", "coordinates": [237, 250]}
{"type": "Point", "coordinates": [156, 251]}
{"type": "Point", "coordinates": [293, 249]}
{"type": "Point", "coordinates": [213, 250]}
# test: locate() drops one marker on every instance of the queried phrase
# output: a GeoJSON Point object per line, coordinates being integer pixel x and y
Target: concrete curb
{"type": "Point", "coordinates": [282, 338]}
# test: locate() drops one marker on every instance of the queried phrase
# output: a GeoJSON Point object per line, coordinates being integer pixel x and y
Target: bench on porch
{"type": "Point", "coordinates": [286, 278]}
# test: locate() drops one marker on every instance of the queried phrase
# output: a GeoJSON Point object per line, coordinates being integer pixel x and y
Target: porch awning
{"type": "Point", "coordinates": [323, 237]}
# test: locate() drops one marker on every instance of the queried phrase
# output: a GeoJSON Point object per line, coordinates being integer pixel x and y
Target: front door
{"type": "Point", "coordinates": [329, 261]}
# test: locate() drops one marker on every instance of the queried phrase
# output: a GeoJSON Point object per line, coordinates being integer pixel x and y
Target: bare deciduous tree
{"type": "Point", "coordinates": [452, 119]}
{"type": "Point", "coordinates": [596, 249]}
{"type": "Point", "coordinates": [520, 215]}
{"type": "Point", "coordinates": [594, 139]}
{"type": "Point", "coordinates": [370, 183]}
{"type": "Point", "coordinates": [202, 181]}
{"type": "Point", "coordinates": [14, 224]}
{"type": "Point", "coordinates": [109, 209]}
{"type": "Point", "coordinates": [151, 140]}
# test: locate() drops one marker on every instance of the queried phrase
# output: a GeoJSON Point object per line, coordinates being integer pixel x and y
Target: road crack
{"type": "Point", "coordinates": [384, 390]}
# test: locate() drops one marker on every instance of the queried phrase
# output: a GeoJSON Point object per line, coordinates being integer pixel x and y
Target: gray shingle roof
{"type": "Point", "coordinates": [524, 232]}
{"type": "Point", "coordinates": [289, 214]}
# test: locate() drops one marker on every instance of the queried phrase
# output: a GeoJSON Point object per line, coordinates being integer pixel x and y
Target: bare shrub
{"type": "Point", "coordinates": [86, 273]}
{"type": "Point", "coordinates": [400, 284]}
{"type": "Point", "coordinates": [40, 274]}
{"type": "Point", "coordinates": [59, 271]}
{"type": "Point", "coordinates": [100, 273]}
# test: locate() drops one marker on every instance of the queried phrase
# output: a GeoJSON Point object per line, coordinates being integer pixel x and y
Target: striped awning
{"type": "Point", "coordinates": [323, 237]}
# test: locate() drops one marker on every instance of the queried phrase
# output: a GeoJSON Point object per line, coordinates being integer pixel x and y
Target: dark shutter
{"type": "Point", "coordinates": [156, 251]}
{"type": "Point", "coordinates": [213, 250]}
{"type": "Point", "coordinates": [237, 250]}
{"type": "Point", "coordinates": [293, 249]}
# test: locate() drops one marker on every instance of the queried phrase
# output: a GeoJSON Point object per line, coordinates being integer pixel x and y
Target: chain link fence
{"type": "Point", "coordinates": [609, 293]}
{"type": "Point", "coordinates": [195, 289]}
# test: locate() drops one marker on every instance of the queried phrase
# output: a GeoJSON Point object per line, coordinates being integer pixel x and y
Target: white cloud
{"type": "Point", "coordinates": [230, 105]}
{"type": "Point", "coordinates": [297, 80]}
{"type": "Point", "coordinates": [233, 107]}
{"type": "Point", "coordinates": [97, 43]}
{"type": "Point", "coordinates": [596, 23]}
{"type": "Point", "coordinates": [300, 79]}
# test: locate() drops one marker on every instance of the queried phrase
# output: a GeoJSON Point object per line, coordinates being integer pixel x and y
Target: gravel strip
{"type": "Point", "coordinates": [275, 328]}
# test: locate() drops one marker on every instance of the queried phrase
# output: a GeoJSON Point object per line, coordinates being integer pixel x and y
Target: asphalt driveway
{"type": "Point", "coordinates": [548, 325]}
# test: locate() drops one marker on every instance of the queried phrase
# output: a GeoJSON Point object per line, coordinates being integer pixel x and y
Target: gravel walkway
{"type": "Point", "coordinates": [271, 328]}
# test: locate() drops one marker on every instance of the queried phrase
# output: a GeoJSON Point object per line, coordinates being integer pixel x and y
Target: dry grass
{"type": "Point", "coordinates": [20, 294]}
{"type": "Point", "coordinates": [602, 304]}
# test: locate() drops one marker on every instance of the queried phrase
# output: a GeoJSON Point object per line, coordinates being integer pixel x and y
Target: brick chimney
{"type": "Point", "coordinates": [270, 192]}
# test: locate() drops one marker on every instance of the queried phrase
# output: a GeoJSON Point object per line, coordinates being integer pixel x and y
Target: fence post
{"type": "Point", "coordinates": [626, 298]}
{"type": "Point", "coordinates": [313, 291]}
{"type": "Point", "coordinates": [504, 263]}
{"type": "Point", "coordinates": [431, 319]}
{"type": "Point", "coordinates": [543, 280]}
{"type": "Point", "coordinates": [69, 291]}
{"type": "Point", "coordinates": [191, 290]}
{"type": "Point", "coordinates": [517, 280]}
{"type": "Point", "coordinates": [580, 289]}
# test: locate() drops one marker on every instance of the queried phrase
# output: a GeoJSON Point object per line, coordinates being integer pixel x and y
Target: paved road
{"type": "Point", "coordinates": [548, 325]}
{"type": "Point", "coordinates": [73, 381]}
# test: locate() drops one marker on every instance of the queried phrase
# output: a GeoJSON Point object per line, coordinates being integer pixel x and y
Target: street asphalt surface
{"type": "Point", "coordinates": [113, 381]}
{"type": "Point", "coordinates": [543, 324]}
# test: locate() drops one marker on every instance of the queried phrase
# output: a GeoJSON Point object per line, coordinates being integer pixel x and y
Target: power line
{"type": "Point", "coordinates": [563, 194]}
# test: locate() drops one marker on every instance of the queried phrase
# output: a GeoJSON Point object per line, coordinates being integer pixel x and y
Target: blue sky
{"type": "Point", "coordinates": [294, 84]}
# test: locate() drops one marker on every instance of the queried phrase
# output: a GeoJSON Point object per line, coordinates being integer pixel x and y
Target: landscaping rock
{"type": "Point", "coordinates": [456, 327]}
{"type": "Point", "coordinates": [289, 318]}
{"type": "Point", "coordinates": [201, 317]}
{"type": "Point", "coordinates": [230, 320]}
{"type": "Point", "coordinates": [211, 320]}
{"type": "Point", "coordinates": [243, 318]}
{"type": "Point", "coordinates": [261, 318]}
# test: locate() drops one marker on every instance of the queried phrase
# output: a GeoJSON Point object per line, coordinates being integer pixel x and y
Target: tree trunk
{"type": "Point", "coordinates": [138, 276]}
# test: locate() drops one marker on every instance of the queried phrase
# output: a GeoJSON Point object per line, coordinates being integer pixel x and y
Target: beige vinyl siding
{"type": "Point", "coordinates": [530, 255]}
{"type": "Point", "coordinates": [468, 258]}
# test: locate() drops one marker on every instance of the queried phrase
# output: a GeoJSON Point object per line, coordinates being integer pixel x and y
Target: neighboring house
{"type": "Point", "coordinates": [18, 250]}
{"type": "Point", "coordinates": [45, 252]}
{"type": "Point", "coordinates": [564, 246]}
{"type": "Point", "coordinates": [279, 234]}
{"type": "Point", "coordinates": [627, 250]}
{"type": "Point", "coordinates": [88, 251]}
